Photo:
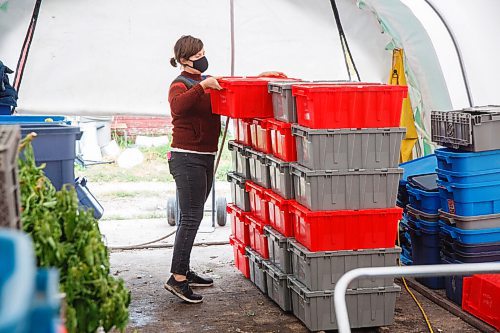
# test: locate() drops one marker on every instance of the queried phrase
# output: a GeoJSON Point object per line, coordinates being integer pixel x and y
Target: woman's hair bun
{"type": "Point", "coordinates": [173, 62]}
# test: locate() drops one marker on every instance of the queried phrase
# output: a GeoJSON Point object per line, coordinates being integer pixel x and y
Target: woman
{"type": "Point", "coordinates": [194, 146]}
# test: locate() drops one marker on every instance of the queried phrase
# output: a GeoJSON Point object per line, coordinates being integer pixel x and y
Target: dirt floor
{"type": "Point", "coordinates": [135, 212]}
{"type": "Point", "coordinates": [234, 304]}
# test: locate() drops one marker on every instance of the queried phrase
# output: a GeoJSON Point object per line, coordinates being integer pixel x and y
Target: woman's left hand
{"type": "Point", "coordinates": [274, 74]}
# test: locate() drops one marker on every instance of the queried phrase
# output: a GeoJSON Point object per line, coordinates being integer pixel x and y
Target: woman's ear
{"type": "Point", "coordinates": [183, 61]}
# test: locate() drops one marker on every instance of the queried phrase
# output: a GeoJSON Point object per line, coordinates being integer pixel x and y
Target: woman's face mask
{"type": "Point", "coordinates": [200, 64]}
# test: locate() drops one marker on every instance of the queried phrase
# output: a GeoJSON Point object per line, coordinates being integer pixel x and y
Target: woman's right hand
{"type": "Point", "coordinates": [210, 83]}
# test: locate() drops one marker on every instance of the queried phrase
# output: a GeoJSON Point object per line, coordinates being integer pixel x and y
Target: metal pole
{"type": "Point", "coordinates": [400, 271]}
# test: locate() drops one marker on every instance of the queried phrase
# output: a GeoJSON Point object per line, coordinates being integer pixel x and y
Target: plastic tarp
{"type": "Point", "coordinates": [112, 57]}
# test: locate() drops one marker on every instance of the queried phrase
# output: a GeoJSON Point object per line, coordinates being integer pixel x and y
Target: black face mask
{"type": "Point", "coordinates": [200, 64]}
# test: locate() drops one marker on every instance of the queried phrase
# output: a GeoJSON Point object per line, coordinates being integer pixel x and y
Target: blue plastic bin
{"type": "Point", "coordinates": [5, 110]}
{"type": "Point", "coordinates": [426, 250]}
{"type": "Point", "coordinates": [17, 280]}
{"type": "Point", "coordinates": [419, 166]}
{"type": "Point", "coordinates": [55, 145]}
{"type": "Point", "coordinates": [472, 258]}
{"type": "Point", "coordinates": [470, 237]}
{"type": "Point", "coordinates": [470, 199]}
{"type": "Point", "coordinates": [427, 202]}
{"type": "Point", "coordinates": [20, 120]}
{"type": "Point", "coordinates": [469, 177]}
{"type": "Point", "coordinates": [466, 162]}
{"type": "Point", "coordinates": [474, 248]}
{"type": "Point", "coordinates": [453, 284]}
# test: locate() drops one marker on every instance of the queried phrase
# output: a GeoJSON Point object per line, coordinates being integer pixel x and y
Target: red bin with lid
{"type": "Point", "coordinates": [258, 240]}
{"type": "Point", "coordinates": [282, 141]}
{"type": "Point", "coordinates": [258, 202]}
{"type": "Point", "coordinates": [345, 229]}
{"type": "Point", "coordinates": [279, 213]}
{"type": "Point", "coordinates": [243, 97]}
{"type": "Point", "coordinates": [261, 135]}
{"type": "Point", "coordinates": [240, 258]}
{"type": "Point", "coordinates": [324, 106]}
{"type": "Point", "coordinates": [481, 297]}
{"type": "Point", "coordinates": [239, 223]}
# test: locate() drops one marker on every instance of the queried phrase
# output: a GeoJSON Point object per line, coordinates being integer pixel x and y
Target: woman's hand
{"type": "Point", "coordinates": [274, 74]}
{"type": "Point", "coordinates": [210, 83]}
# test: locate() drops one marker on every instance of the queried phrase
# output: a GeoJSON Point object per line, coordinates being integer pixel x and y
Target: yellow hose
{"type": "Point", "coordinates": [413, 296]}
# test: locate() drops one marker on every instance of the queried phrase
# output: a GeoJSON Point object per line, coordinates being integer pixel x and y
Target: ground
{"type": "Point", "coordinates": [135, 212]}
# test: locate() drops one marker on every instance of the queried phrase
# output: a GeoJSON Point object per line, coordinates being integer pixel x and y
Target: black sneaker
{"type": "Point", "coordinates": [197, 281]}
{"type": "Point", "coordinates": [182, 290]}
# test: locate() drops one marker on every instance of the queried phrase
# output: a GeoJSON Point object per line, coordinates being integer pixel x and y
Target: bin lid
{"type": "Point", "coordinates": [427, 182]}
{"type": "Point", "coordinates": [419, 166]}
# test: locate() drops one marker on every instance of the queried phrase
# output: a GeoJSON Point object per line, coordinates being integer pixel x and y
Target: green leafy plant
{"type": "Point", "coordinates": [69, 239]}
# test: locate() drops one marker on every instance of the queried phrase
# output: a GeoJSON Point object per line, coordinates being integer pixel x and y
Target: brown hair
{"type": "Point", "coordinates": [185, 47]}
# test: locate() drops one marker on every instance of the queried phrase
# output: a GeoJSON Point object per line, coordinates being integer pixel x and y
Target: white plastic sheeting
{"type": "Point", "coordinates": [112, 57]}
{"type": "Point", "coordinates": [14, 20]}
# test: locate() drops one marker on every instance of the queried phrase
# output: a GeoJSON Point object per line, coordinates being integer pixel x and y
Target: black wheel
{"type": "Point", "coordinates": [220, 209]}
{"type": "Point", "coordinates": [171, 210]}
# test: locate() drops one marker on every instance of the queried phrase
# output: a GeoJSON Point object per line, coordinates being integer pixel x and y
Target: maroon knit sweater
{"type": "Point", "coordinates": [195, 127]}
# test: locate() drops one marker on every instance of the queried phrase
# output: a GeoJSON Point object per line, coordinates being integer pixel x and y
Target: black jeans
{"type": "Point", "coordinates": [193, 175]}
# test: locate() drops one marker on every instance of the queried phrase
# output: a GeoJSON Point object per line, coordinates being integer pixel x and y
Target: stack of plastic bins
{"type": "Point", "coordinates": [345, 185]}
{"type": "Point", "coordinates": [248, 102]}
{"type": "Point", "coordinates": [419, 166]}
{"type": "Point", "coordinates": [10, 213]}
{"type": "Point", "coordinates": [422, 215]}
{"type": "Point", "coordinates": [469, 186]}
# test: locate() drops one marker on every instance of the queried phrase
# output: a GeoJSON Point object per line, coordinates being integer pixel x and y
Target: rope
{"type": "Point", "coordinates": [21, 63]}
{"type": "Point", "coordinates": [343, 41]}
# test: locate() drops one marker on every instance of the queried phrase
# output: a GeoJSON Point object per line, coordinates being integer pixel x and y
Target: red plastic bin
{"type": "Point", "coordinates": [239, 223]}
{"type": "Point", "coordinates": [345, 229]}
{"type": "Point", "coordinates": [349, 105]}
{"type": "Point", "coordinates": [282, 141]}
{"type": "Point", "coordinates": [481, 297]}
{"type": "Point", "coordinates": [258, 241]}
{"type": "Point", "coordinates": [243, 97]}
{"type": "Point", "coordinates": [242, 131]}
{"type": "Point", "coordinates": [261, 135]}
{"type": "Point", "coordinates": [240, 258]}
{"type": "Point", "coordinates": [279, 213]}
{"type": "Point", "coordinates": [258, 202]}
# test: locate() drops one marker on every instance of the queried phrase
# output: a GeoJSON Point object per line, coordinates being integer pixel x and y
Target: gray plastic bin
{"type": "Point", "coordinates": [239, 196]}
{"type": "Point", "coordinates": [259, 169]}
{"type": "Point", "coordinates": [240, 159]}
{"type": "Point", "coordinates": [471, 222]}
{"type": "Point", "coordinates": [284, 107]}
{"type": "Point", "coordinates": [257, 270]}
{"type": "Point", "coordinates": [322, 270]}
{"type": "Point", "coordinates": [419, 215]}
{"type": "Point", "coordinates": [281, 177]}
{"type": "Point", "coordinates": [473, 129]}
{"type": "Point", "coordinates": [346, 189]}
{"type": "Point", "coordinates": [278, 249]}
{"type": "Point", "coordinates": [10, 212]}
{"type": "Point", "coordinates": [371, 307]}
{"type": "Point", "coordinates": [373, 148]}
{"type": "Point", "coordinates": [277, 286]}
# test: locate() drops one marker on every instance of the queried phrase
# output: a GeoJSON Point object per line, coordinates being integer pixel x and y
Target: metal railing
{"type": "Point", "coordinates": [400, 271]}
